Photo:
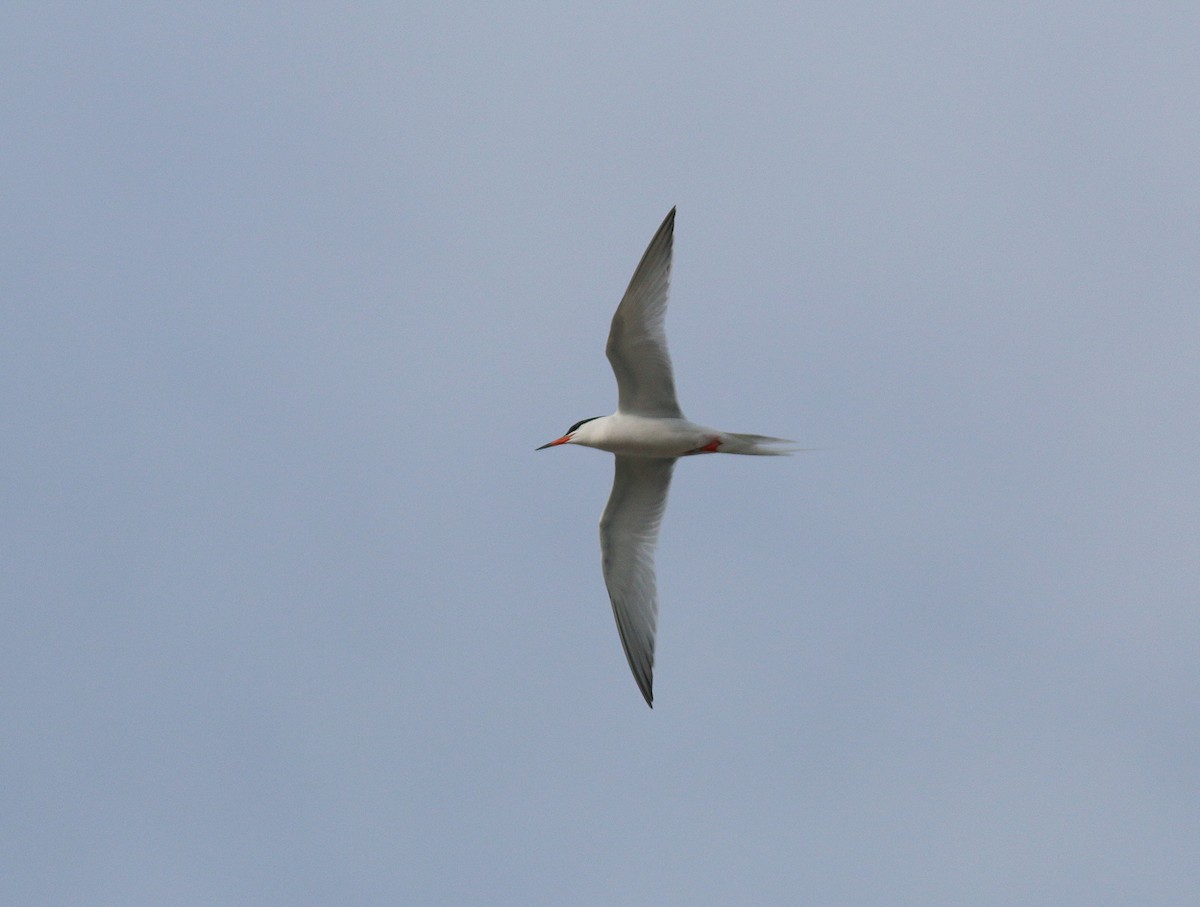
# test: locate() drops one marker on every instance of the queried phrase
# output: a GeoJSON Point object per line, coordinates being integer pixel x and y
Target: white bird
{"type": "Point", "coordinates": [647, 433]}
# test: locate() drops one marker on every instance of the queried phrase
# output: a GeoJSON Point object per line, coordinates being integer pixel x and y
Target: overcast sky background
{"type": "Point", "coordinates": [292, 612]}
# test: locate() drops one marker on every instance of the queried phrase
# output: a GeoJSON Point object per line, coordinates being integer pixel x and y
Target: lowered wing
{"type": "Point", "coordinates": [628, 536]}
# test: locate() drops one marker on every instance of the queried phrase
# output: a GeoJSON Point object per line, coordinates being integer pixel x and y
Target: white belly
{"type": "Point", "coordinates": [641, 436]}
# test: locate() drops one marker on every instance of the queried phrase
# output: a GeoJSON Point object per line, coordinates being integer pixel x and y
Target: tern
{"type": "Point", "coordinates": [647, 434]}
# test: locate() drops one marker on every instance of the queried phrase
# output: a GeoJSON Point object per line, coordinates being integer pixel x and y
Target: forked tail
{"type": "Point", "coordinates": [756, 445]}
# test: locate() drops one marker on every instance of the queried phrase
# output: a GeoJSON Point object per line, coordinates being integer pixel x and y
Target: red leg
{"type": "Point", "coordinates": [711, 447]}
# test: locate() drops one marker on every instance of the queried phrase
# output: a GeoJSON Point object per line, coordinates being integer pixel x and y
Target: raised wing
{"type": "Point", "coordinates": [628, 536]}
{"type": "Point", "coordinates": [637, 341]}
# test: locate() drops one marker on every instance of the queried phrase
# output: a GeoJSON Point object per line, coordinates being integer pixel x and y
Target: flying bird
{"type": "Point", "coordinates": [647, 433]}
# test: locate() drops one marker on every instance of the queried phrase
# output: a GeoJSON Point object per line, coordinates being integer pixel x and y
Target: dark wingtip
{"type": "Point", "coordinates": [668, 224]}
{"type": "Point", "coordinates": [647, 690]}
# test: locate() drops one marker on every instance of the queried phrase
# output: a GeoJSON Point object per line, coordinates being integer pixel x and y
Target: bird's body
{"type": "Point", "coordinates": [647, 433]}
{"type": "Point", "coordinates": [648, 436]}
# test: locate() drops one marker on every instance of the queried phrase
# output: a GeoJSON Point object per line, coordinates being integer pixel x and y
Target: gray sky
{"type": "Point", "coordinates": [292, 613]}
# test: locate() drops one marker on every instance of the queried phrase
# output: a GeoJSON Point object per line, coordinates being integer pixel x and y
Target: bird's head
{"type": "Point", "coordinates": [571, 437]}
